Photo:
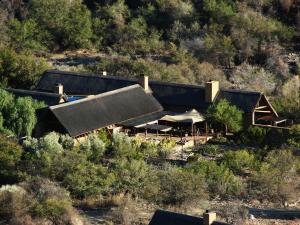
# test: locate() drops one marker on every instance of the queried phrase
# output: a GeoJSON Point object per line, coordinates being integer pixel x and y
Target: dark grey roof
{"type": "Point", "coordinates": [168, 94]}
{"type": "Point", "coordinates": [81, 84]}
{"type": "Point", "coordinates": [88, 114]}
{"type": "Point", "coordinates": [162, 217]}
{"type": "Point", "coordinates": [48, 98]}
{"type": "Point", "coordinates": [244, 100]}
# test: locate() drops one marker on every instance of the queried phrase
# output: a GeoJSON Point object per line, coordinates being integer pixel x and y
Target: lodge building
{"type": "Point", "coordinates": [79, 104]}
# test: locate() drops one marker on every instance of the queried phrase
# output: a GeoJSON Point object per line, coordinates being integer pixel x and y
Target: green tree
{"type": "Point", "coordinates": [19, 119]}
{"type": "Point", "coordinates": [223, 113]}
{"type": "Point", "coordinates": [68, 22]}
{"type": "Point", "coordinates": [26, 35]}
{"type": "Point", "coordinates": [20, 70]}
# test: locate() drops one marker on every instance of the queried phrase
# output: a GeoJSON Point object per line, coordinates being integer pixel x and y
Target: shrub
{"type": "Point", "coordinates": [20, 70]}
{"type": "Point", "coordinates": [294, 135]}
{"type": "Point", "coordinates": [179, 186]}
{"type": "Point", "coordinates": [123, 147]}
{"type": "Point", "coordinates": [80, 176]}
{"type": "Point", "coordinates": [210, 150]}
{"type": "Point", "coordinates": [219, 178]}
{"type": "Point", "coordinates": [275, 175]}
{"type": "Point", "coordinates": [37, 201]}
{"type": "Point", "coordinates": [255, 135]}
{"type": "Point", "coordinates": [97, 148]}
{"type": "Point", "coordinates": [50, 143]}
{"type": "Point", "coordinates": [130, 176]}
{"type": "Point", "coordinates": [240, 161]}
{"type": "Point", "coordinates": [165, 147]}
{"type": "Point", "coordinates": [148, 148]}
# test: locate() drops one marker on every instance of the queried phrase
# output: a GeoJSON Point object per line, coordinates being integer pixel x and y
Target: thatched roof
{"type": "Point", "coordinates": [91, 113]}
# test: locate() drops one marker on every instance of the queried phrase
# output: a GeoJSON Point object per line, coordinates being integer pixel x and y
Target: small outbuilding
{"type": "Point", "coordinates": [162, 217]}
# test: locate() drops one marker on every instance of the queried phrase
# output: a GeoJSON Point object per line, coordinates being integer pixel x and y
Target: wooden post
{"type": "Point", "coordinates": [157, 129]}
{"type": "Point", "coordinates": [206, 135]}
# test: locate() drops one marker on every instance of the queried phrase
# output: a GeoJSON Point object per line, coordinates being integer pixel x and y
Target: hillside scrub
{"type": "Point", "coordinates": [236, 42]}
{"type": "Point", "coordinates": [101, 172]}
{"type": "Point", "coordinates": [37, 201]}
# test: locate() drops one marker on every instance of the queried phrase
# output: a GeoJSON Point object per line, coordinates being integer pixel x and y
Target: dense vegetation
{"type": "Point", "coordinates": [99, 169]}
{"type": "Point", "coordinates": [244, 44]}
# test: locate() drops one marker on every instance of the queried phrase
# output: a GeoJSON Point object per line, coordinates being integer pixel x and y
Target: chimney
{"type": "Point", "coordinates": [209, 217]}
{"type": "Point", "coordinates": [211, 90]}
{"type": "Point", "coordinates": [59, 89]}
{"type": "Point", "coordinates": [144, 82]}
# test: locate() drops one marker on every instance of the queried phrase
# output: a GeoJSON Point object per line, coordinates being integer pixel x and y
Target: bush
{"type": "Point", "coordinates": [37, 201]}
{"type": "Point", "coordinates": [275, 175]}
{"type": "Point", "coordinates": [219, 178]}
{"type": "Point", "coordinates": [210, 150]}
{"type": "Point", "coordinates": [240, 161]}
{"type": "Point", "coordinates": [179, 186]}
{"type": "Point", "coordinates": [124, 147]}
{"type": "Point", "coordinates": [165, 147]}
{"type": "Point", "coordinates": [87, 179]}
{"type": "Point", "coordinates": [20, 70]}
{"type": "Point", "coordinates": [294, 136]}
{"type": "Point", "coordinates": [130, 176]}
{"type": "Point", "coordinates": [255, 136]}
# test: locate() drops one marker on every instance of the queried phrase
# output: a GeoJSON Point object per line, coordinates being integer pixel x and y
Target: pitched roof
{"type": "Point", "coordinates": [162, 217]}
{"type": "Point", "coordinates": [81, 84]}
{"type": "Point", "coordinates": [48, 98]}
{"type": "Point", "coordinates": [168, 94]}
{"type": "Point", "coordinates": [88, 114]}
{"type": "Point", "coordinates": [244, 100]}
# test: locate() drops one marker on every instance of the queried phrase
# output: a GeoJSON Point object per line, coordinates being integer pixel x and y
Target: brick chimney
{"type": "Point", "coordinates": [144, 82]}
{"type": "Point", "coordinates": [59, 89]}
{"type": "Point", "coordinates": [211, 90]}
{"type": "Point", "coordinates": [209, 217]}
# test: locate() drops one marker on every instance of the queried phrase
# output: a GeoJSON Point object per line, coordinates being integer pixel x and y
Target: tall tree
{"type": "Point", "coordinates": [227, 115]}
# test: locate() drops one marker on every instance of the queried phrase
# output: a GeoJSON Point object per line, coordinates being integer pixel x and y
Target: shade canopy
{"type": "Point", "coordinates": [192, 116]}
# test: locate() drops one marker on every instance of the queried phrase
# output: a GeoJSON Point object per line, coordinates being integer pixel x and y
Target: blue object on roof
{"type": "Point", "coordinates": [74, 98]}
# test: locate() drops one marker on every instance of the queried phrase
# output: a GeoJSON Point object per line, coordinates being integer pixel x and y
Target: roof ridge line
{"type": "Point", "coordinates": [32, 92]}
{"type": "Point", "coordinates": [96, 96]}
{"type": "Point", "coordinates": [134, 79]}
{"type": "Point", "coordinates": [86, 74]}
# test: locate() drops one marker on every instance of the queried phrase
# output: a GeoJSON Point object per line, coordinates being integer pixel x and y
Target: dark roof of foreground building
{"type": "Point", "coordinates": [162, 217]}
{"type": "Point", "coordinates": [48, 98]}
{"type": "Point", "coordinates": [168, 94]}
{"type": "Point", "coordinates": [91, 113]}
